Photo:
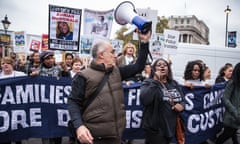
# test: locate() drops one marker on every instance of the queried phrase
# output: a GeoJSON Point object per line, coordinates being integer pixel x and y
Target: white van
{"type": "Point", "coordinates": [214, 57]}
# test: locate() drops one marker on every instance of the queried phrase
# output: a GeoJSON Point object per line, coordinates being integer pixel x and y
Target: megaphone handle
{"type": "Point", "coordinates": [150, 55]}
{"type": "Point", "coordinates": [130, 30]}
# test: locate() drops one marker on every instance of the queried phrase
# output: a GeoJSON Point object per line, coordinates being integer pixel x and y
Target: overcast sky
{"type": "Point", "coordinates": [32, 15]}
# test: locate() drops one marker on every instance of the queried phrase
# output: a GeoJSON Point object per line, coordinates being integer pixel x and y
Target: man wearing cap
{"type": "Point", "coordinates": [49, 68]}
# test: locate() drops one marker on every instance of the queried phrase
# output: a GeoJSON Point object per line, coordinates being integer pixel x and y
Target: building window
{"type": "Point", "coordinates": [188, 21]}
{"type": "Point", "coordinates": [182, 21]}
{"type": "Point", "coordinates": [184, 38]}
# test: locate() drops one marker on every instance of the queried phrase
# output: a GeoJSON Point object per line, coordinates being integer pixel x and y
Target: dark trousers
{"type": "Point", "coordinates": [228, 132]}
{"type": "Point", "coordinates": [235, 139]}
{"type": "Point", "coordinates": [57, 140]}
{"type": "Point", "coordinates": [152, 138]}
{"type": "Point", "coordinates": [107, 141]}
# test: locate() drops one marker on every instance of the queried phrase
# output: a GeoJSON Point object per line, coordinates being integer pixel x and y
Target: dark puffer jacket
{"type": "Point", "coordinates": [105, 116]}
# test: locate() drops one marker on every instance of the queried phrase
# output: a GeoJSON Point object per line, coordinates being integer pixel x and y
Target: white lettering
{"type": "Point", "coordinates": [23, 96]}
{"type": "Point", "coordinates": [37, 97]}
{"type": "Point", "coordinates": [191, 120]}
{"type": "Point", "coordinates": [43, 97]}
{"type": "Point", "coordinates": [212, 99]}
{"type": "Point", "coordinates": [128, 118]}
{"type": "Point", "coordinates": [63, 117]}
{"type": "Point", "coordinates": [133, 118]}
{"type": "Point", "coordinates": [211, 121]}
{"type": "Point", "coordinates": [59, 94]}
{"type": "Point", "coordinates": [8, 96]}
{"type": "Point", "coordinates": [19, 117]}
{"type": "Point", "coordinates": [197, 122]}
{"type": "Point", "coordinates": [203, 121]}
{"type": "Point", "coordinates": [35, 117]}
{"type": "Point", "coordinates": [67, 91]}
{"type": "Point", "coordinates": [189, 103]}
{"type": "Point", "coordinates": [134, 96]}
{"type": "Point", "coordinates": [136, 119]}
{"type": "Point", "coordinates": [51, 94]}
{"type": "Point", "coordinates": [4, 115]}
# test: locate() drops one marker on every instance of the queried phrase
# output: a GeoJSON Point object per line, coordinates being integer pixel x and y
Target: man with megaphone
{"type": "Point", "coordinates": [103, 119]}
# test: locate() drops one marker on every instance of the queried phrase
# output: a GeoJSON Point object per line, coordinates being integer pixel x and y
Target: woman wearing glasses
{"type": "Point", "coordinates": [163, 101]}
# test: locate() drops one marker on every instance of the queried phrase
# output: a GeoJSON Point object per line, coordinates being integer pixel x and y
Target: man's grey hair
{"type": "Point", "coordinates": [99, 47]}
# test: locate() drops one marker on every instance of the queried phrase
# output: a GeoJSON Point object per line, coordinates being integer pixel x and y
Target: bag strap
{"type": "Point", "coordinates": [95, 93]}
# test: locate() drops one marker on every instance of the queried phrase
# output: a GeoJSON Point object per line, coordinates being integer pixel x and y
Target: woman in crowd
{"type": "Point", "coordinates": [69, 60]}
{"type": "Point", "coordinates": [163, 101]}
{"type": "Point", "coordinates": [225, 73]}
{"type": "Point", "coordinates": [231, 99]}
{"type": "Point", "coordinates": [128, 55]}
{"type": "Point", "coordinates": [76, 66]}
{"type": "Point", "coordinates": [207, 76]}
{"type": "Point", "coordinates": [193, 74]}
{"type": "Point", "coordinates": [7, 66]}
{"type": "Point", "coordinates": [147, 71]}
{"type": "Point", "coordinates": [33, 63]}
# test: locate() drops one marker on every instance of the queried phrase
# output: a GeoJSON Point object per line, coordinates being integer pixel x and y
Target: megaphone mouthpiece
{"type": "Point", "coordinates": [121, 14]}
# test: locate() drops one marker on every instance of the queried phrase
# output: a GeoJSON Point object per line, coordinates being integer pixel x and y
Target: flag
{"type": "Point", "coordinates": [232, 39]}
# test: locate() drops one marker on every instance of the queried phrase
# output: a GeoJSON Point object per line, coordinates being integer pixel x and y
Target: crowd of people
{"type": "Point", "coordinates": [160, 93]}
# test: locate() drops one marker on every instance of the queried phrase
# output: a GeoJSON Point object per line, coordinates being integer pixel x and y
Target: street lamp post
{"type": "Point", "coordinates": [227, 11]}
{"type": "Point", "coordinates": [6, 23]}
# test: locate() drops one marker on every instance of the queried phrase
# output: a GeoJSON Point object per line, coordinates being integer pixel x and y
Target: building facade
{"type": "Point", "coordinates": [191, 29]}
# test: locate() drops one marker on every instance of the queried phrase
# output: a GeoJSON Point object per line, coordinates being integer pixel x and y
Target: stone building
{"type": "Point", "coordinates": [191, 29]}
